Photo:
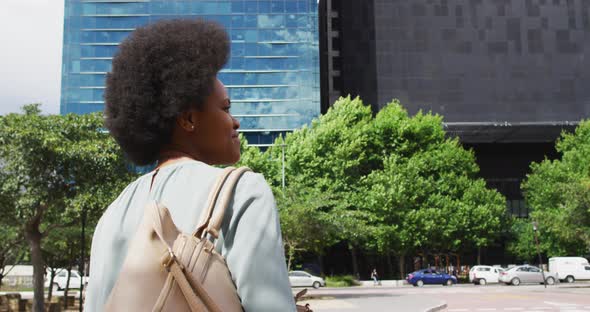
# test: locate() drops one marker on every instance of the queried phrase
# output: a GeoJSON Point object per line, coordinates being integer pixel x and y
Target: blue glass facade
{"type": "Point", "coordinates": [272, 76]}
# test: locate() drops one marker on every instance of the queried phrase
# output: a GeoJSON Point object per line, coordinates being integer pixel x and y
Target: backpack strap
{"type": "Point", "coordinates": [195, 294]}
{"type": "Point", "coordinates": [215, 222]}
{"type": "Point", "coordinates": [211, 200]}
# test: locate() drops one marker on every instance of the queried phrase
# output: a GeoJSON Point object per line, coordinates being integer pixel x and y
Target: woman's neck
{"type": "Point", "coordinates": [170, 156]}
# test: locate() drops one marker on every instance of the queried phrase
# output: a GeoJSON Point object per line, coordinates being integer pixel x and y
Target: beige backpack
{"type": "Point", "coordinates": [167, 270]}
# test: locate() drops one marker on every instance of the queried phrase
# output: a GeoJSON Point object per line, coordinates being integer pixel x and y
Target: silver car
{"type": "Point", "coordinates": [303, 279]}
{"type": "Point", "coordinates": [526, 274]}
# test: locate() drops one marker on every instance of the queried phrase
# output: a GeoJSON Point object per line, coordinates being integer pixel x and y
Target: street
{"type": "Point", "coordinates": [458, 298]}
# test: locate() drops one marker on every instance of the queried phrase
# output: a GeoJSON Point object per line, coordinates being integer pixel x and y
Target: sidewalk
{"type": "Point", "coordinates": [385, 283]}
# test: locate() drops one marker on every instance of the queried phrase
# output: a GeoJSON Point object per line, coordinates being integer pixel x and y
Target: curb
{"type": "Point", "coordinates": [440, 307]}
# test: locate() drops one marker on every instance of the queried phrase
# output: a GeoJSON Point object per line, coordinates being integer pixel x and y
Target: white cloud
{"type": "Point", "coordinates": [31, 36]}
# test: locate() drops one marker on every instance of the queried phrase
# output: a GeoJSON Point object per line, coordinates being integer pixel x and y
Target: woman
{"type": "Point", "coordinates": [165, 104]}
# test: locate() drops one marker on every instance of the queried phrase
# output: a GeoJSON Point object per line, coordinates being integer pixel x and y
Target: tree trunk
{"type": "Point", "coordinates": [2, 266]}
{"type": "Point", "coordinates": [33, 236]}
{"type": "Point", "coordinates": [290, 251]}
{"type": "Point", "coordinates": [51, 280]}
{"type": "Point", "coordinates": [389, 264]}
{"type": "Point", "coordinates": [67, 289]}
{"type": "Point", "coordinates": [355, 266]}
{"type": "Point", "coordinates": [321, 263]}
{"type": "Point", "coordinates": [402, 266]}
{"type": "Point", "coordinates": [478, 255]}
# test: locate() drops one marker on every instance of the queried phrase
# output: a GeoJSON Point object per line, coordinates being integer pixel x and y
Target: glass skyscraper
{"type": "Point", "coordinates": [272, 76]}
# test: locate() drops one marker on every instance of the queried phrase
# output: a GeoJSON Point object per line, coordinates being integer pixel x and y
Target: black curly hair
{"type": "Point", "coordinates": [160, 71]}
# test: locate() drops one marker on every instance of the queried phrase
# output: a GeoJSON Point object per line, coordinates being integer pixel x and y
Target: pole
{"type": "Point", "coordinates": [539, 253]}
{"type": "Point", "coordinates": [82, 256]}
{"type": "Point", "coordinates": [283, 147]}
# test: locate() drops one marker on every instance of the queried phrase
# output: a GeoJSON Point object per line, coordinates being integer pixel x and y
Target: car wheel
{"type": "Point", "coordinates": [570, 279]}
{"type": "Point", "coordinates": [449, 283]}
{"type": "Point", "coordinates": [515, 281]}
{"type": "Point", "coordinates": [550, 281]}
{"type": "Point", "coordinates": [482, 281]}
{"type": "Point", "coordinates": [316, 285]}
{"type": "Point", "coordinates": [56, 286]}
{"type": "Point", "coordinates": [419, 283]}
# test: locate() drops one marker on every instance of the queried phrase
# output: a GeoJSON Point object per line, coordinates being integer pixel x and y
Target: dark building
{"type": "Point", "coordinates": [507, 75]}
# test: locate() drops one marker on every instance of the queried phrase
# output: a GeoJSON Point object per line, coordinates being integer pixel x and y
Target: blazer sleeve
{"type": "Point", "coordinates": [253, 247]}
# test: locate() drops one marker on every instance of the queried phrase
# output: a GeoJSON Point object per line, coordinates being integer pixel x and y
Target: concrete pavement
{"type": "Point", "coordinates": [457, 298]}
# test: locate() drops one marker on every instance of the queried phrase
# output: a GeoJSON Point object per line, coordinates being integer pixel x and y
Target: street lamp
{"type": "Point", "coordinates": [539, 253]}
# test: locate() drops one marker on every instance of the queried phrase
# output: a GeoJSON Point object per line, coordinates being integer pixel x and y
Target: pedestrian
{"type": "Point", "coordinates": [375, 277]}
{"type": "Point", "coordinates": [164, 104]}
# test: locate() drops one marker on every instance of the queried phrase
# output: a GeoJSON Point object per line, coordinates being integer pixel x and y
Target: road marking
{"type": "Point", "coordinates": [487, 309]}
{"type": "Point", "coordinates": [457, 310]}
{"type": "Point", "coordinates": [542, 308]}
{"type": "Point", "coordinates": [513, 309]}
{"type": "Point", "coordinates": [560, 304]}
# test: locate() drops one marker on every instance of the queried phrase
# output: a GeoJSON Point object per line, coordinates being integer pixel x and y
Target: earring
{"type": "Point", "coordinates": [192, 127]}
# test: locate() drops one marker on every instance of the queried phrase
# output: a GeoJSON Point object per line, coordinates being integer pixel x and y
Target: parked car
{"type": "Point", "coordinates": [430, 276]}
{"type": "Point", "coordinates": [526, 274]}
{"type": "Point", "coordinates": [304, 279]}
{"type": "Point", "coordinates": [61, 279]}
{"type": "Point", "coordinates": [570, 269]}
{"type": "Point", "coordinates": [483, 274]}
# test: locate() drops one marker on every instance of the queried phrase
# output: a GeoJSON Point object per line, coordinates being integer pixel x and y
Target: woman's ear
{"type": "Point", "coordinates": [187, 121]}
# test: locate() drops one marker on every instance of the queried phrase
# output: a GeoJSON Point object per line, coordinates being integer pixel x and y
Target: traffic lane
{"type": "Point", "coordinates": [462, 298]}
{"type": "Point", "coordinates": [527, 298]}
{"type": "Point", "coordinates": [377, 304]}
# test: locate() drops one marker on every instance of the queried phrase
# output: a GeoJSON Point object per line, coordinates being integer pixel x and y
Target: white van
{"type": "Point", "coordinates": [570, 269]}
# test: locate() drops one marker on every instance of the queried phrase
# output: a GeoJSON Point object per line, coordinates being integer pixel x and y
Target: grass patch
{"type": "Point", "coordinates": [341, 281]}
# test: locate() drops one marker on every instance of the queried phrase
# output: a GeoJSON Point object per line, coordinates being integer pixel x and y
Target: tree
{"type": "Point", "coordinates": [11, 242]}
{"type": "Point", "coordinates": [51, 163]}
{"type": "Point", "coordinates": [524, 245]}
{"type": "Point", "coordinates": [11, 248]}
{"type": "Point", "coordinates": [261, 162]}
{"type": "Point", "coordinates": [426, 178]}
{"type": "Point", "coordinates": [331, 156]}
{"type": "Point", "coordinates": [305, 226]}
{"type": "Point", "coordinates": [558, 195]}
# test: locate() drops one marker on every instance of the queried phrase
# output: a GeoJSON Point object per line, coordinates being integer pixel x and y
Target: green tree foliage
{"type": "Point", "coordinates": [331, 156]}
{"type": "Point", "coordinates": [305, 226]}
{"type": "Point", "coordinates": [57, 166]}
{"type": "Point", "coordinates": [11, 238]}
{"type": "Point", "coordinates": [523, 245]}
{"type": "Point", "coordinates": [427, 196]}
{"type": "Point", "coordinates": [558, 194]}
{"type": "Point", "coordinates": [392, 183]}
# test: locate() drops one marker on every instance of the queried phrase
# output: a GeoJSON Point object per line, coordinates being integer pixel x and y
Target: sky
{"type": "Point", "coordinates": [31, 33]}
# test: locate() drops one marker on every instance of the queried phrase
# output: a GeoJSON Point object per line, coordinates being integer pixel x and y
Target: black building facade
{"type": "Point", "coordinates": [507, 75]}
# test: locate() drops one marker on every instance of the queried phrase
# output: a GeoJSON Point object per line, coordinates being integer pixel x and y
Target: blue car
{"type": "Point", "coordinates": [430, 276]}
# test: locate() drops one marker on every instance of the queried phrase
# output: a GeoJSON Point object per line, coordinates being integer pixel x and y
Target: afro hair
{"type": "Point", "coordinates": [160, 71]}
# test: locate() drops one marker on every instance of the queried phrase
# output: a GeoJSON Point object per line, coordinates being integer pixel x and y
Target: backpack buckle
{"type": "Point", "coordinates": [168, 259]}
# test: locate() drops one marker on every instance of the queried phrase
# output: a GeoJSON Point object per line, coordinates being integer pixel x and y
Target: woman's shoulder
{"type": "Point", "coordinates": [254, 184]}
